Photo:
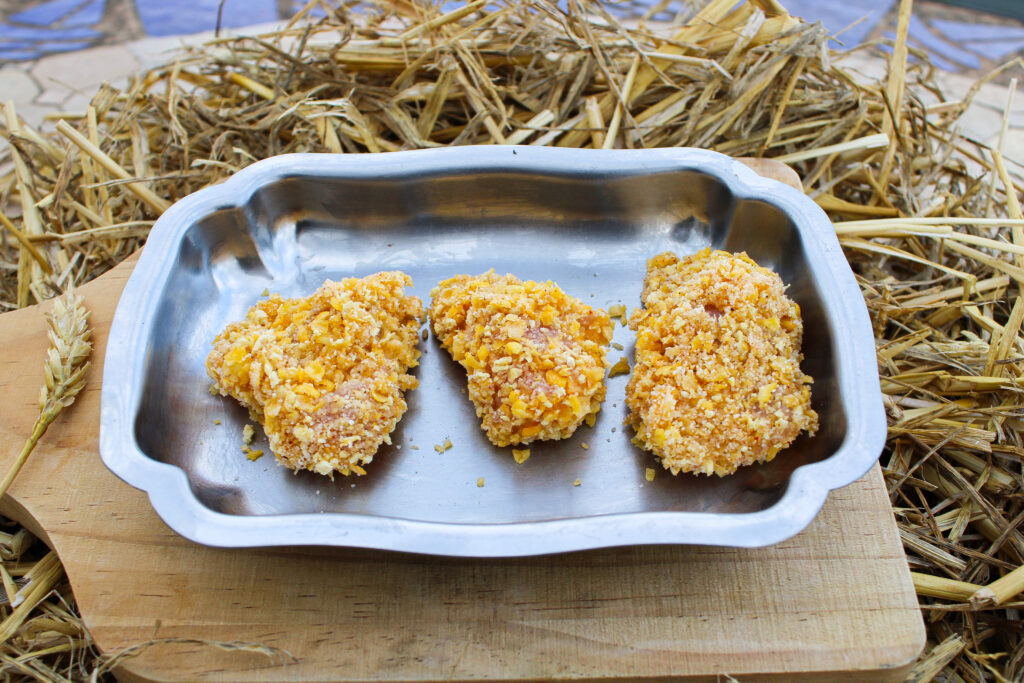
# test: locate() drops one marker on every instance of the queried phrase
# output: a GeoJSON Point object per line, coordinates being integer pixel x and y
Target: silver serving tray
{"type": "Point", "coordinates": [586, 219]}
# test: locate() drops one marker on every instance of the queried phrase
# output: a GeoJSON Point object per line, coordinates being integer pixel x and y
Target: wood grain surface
{"type": "Point", "coordinates": [833, 603]}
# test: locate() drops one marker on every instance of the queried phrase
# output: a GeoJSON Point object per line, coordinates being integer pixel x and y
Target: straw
{"type": "Point", "coordinates": [930, 221]}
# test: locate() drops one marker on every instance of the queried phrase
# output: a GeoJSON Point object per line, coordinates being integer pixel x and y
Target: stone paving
{"type": "Point", "coordinates": [983, 121]}
{"type": "Point", "coordinates": [67, 81]}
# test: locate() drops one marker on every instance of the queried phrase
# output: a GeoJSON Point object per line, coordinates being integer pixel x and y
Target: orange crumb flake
{"type": "Point", "coordinates": [649, 474]}
{"type": "Point", "coordinates": [577, 482]}
{"type": "Point", "coordinates": [534, 355]}
{"type": "Point", "coordinates": [716, 382]}
{"type": "Point", "coordinates": [324, 375]}
{"type": "Point", "coordinates": [621, 367]}
{"type": "Point", "coordinates": [521, 455]}
{"type": "Point", "coordinates": [251, 454]}
{"type": "Point", "coordinates": [480, 482]}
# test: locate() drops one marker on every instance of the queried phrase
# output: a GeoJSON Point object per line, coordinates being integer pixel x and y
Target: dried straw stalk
{"type": "Point", "coordinates": [930, 221]}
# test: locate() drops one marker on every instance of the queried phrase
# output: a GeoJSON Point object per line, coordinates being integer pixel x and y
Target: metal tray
{"type": "Point", "coordinates": [586, 219]}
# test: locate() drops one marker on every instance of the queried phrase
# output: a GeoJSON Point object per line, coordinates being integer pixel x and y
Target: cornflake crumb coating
{"type": "Point", "coordinates": [717, 382]}
{"type": "Point", "coordinates": [534, 356]}
{"type": "Point", "coordinates": [324, 375]}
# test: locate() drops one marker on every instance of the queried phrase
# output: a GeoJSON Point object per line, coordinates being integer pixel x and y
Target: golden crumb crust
{"type": "Point", "coordinates": [325, 375]}
{"type": "Point", "coordinates": [533, 354]}
{"type": "Point", "coordinates": [717, 381]}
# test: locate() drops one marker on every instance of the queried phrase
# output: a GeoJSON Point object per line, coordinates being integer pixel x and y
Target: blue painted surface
{"type": "Point", "coordinates": [997, 50]}
{"type": "Point", "coordinates": [56, 26]}
{"type": "Point", "coordinates": [988, 40]}
{"type": "Point", "coordinates": [920, 34]}
{"type": "Point", "coordinates": [162, 18]}
{"type": "Point", "coordinates": [836, 16]}
{"type": "Point", "coordinates": [978, 32]}
{"type": "Point", "coordinates": [57, 11]}
{"type": "Point", "coordinates": [28, 35]}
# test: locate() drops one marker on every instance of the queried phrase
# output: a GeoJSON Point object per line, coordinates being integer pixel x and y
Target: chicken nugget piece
{"type": "Point", "coordinates": [324, 375]}
{"type": "Point", "coordinates": [717, 381]}
{"type": "Point", "coordinates": [534, 355]}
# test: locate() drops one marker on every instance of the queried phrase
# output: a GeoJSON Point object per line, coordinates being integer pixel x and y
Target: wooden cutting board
{"type": "Point", "coordinates": [833, 603]}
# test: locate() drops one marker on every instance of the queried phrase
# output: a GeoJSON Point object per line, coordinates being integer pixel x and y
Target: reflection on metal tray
{"type": "Point", "coordinates": [586, 219]}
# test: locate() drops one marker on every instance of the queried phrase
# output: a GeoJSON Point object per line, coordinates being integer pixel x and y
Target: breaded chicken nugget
{"type": "Point", "coordinates": [534, 355]}
{"type": "Point", "coordinates": [325, 375]}
{"type": "Point", "coordinates": [717, 381]}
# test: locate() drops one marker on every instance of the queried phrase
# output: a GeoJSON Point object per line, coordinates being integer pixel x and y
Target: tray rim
{"type": "Point", "coordinates": [171, 496]}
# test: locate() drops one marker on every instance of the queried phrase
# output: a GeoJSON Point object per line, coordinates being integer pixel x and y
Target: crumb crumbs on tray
{"type": "Point", "coordinates": [480, 483]}
{"type": "Point", "coordinates": [717, 382]}
{"type": "Point", "coordinates": [521, 455]}
{"type": "Point", "coordinates": [577, 482]}
{"type": "Point", "coordinates": [621, 367]}
{"type": "Point", "coordinates": [217, 421]}
{"type": "Point", "coordinates": [649, 474]}
{"type": "Point", "coordinates": [534, 356]}
{"type": "Point", "coordinates": [325, 374]}
{"type": "Point", "coordinates": [443, 446]}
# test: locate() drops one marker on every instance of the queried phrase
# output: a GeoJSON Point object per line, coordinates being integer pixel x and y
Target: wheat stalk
{"type": "Point", "coordinates": [66, 363]}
